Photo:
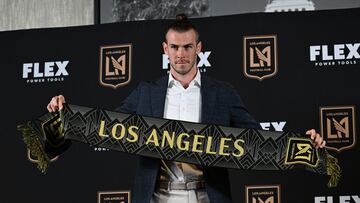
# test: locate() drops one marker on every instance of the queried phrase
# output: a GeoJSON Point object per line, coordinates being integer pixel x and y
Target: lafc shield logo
{"type": "Point", "coordinates": [260, 56]}
{"type": "Point", "coordinates": [114, 197]}
{"type": "Point", "coordinates": [301, 151]}
{"type": "Point", "coordinates": [338, 127]}
{"type": "Point", "coordinates": [263, 194]}
{"type": "Point", "coordinates": [115, 65]}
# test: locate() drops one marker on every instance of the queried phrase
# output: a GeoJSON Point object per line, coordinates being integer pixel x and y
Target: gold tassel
{"type": "Point", "coordinates": [333, 169]}
{"type": "Point", "coordinates": [33, 143]}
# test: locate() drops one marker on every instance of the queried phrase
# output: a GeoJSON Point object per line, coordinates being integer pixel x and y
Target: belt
{"type": "Point", "coordinates": [193, 185]}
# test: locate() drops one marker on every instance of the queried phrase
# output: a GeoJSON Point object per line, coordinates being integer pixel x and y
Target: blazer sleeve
{"type": "Point", "coordinates": [239, 114]}
{"type": "Point", "coordinates": [130, 104]}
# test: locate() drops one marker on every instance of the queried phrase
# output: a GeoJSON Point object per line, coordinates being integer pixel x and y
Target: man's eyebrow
{"type": "Point", "coordinates": [186, 45]}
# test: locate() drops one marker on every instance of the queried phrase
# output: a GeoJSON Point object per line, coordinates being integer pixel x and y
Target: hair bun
{"type": "Point", "coordinates": [181, 17]}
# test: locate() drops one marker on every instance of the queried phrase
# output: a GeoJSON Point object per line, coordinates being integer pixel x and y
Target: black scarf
{"type": "Point", "coordinates": [206, 145]}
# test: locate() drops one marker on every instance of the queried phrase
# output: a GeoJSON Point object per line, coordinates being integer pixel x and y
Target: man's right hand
{"type": "Point", "coordinates": [56, 103]}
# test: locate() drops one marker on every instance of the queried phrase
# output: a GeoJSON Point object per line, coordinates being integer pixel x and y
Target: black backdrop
{"type": "Point", "coordinates": [293, 95]}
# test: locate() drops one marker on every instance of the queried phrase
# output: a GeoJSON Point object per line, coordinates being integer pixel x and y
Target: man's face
{"type": "Point", "coordinates": [182, 49]}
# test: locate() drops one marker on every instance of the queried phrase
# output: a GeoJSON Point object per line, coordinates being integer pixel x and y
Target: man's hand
{"type": "Point", "coordinates": [317, 139]}
{"type": "Point", "coordinates": [56, 103]}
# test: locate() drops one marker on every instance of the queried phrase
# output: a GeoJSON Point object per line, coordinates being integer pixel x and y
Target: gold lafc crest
{"type": "Point", "coordinates": [114, 196]}
{"type": "Point", "coordinates": [260, 56]}
{"type": "Point", "coordinates": [338, 127]}
{"type": "Point", "coordinates": [115, 65]}
{"type": "Point", "coordinates": [262, 194]}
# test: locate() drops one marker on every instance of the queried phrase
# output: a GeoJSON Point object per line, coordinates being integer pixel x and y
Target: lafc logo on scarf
{"type": "Point", "coordinates": [260, 56]}
{"type": "Point", "coordinates": [301, 151]}
{"type": "Point", "coordinates": [115, 65]}
{"type": "Point", "coordinates": [52, 127]}
{"type": "Point", "coordinates": [338, 127]}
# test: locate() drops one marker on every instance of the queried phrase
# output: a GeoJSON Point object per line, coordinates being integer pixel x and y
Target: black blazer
{"type": "Point", "coordinates": [221, 105]}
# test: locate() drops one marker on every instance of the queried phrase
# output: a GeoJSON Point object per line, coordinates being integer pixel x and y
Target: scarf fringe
{"type": "Point", "coordinates": [333, 169]}
{"type": "Point", "coordinates": [35, 146]}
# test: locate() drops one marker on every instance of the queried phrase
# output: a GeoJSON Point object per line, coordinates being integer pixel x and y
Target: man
{"type": "Point", "coordinates": [186, 95]}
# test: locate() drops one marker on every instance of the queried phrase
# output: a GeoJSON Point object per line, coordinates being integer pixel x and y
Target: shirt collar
{"type": "Point", "coordinates": [196, 81]}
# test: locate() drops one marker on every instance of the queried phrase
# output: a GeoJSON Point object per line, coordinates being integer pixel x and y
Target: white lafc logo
{"type": "Point", "coordinates": [203, 62]}
{"type": "Point", "coordinates": [337, 54]}
{"type": "Point", "coordinates": [51, 71]}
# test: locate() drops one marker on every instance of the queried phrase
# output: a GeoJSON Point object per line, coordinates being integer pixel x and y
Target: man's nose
{"type": "Point", "coordinates": [180, 52]}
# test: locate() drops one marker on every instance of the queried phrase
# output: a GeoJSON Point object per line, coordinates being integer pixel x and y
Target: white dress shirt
{"type": "Point", "coordinates": [185, 105]}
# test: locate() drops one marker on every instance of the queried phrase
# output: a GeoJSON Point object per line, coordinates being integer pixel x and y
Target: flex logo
{"type": "Point", "coordinates": [49, 71]}
{"type": "Point", "coordinates": [276, 126]}
{"type": "Point", "coordinates": [203, 60]}
{"type": "Point", "coordinates": [260, 56]}
{"type": "Point", "coordinates": [115, 65]}
{"type": "Point", "coordinates": [301, 151]}
{"type": "Point", "coordinates": [340, 199]}
{"type": "Point", "coordinates": [335, 54]}
{"type": "Point", "coordinates": [338, 127]}
{"type": "Point", "coordinates": [262, 194]}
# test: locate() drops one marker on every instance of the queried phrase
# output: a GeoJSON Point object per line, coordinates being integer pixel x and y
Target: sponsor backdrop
{"type": "Point", "coordinates": [294, 71]}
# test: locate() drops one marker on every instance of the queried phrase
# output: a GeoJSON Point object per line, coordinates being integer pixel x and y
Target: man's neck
{"type": "Point", "coordinates": [185, 79]}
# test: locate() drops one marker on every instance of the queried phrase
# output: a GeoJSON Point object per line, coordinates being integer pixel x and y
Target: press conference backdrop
{"type": "Point", "coordinates": [294, 71]}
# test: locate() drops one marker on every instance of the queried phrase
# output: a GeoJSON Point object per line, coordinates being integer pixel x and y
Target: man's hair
{"type": "Point", "coordinates": [182, 24]}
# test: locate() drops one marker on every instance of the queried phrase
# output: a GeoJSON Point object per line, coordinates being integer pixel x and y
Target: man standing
{"type": "Point", "coordinates": [185, 95]}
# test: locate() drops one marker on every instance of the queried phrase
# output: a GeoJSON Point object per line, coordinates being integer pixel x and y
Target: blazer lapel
{"type": "Point", "coordinates": [158, 94]}
{"type": "Point", "coordinates": [208, 99]}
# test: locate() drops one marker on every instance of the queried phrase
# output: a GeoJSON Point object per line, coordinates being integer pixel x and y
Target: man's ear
{"type": "Point", "coordinates": [165, 48]}
{"type": "Point", "coordinates": [198, 47]}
